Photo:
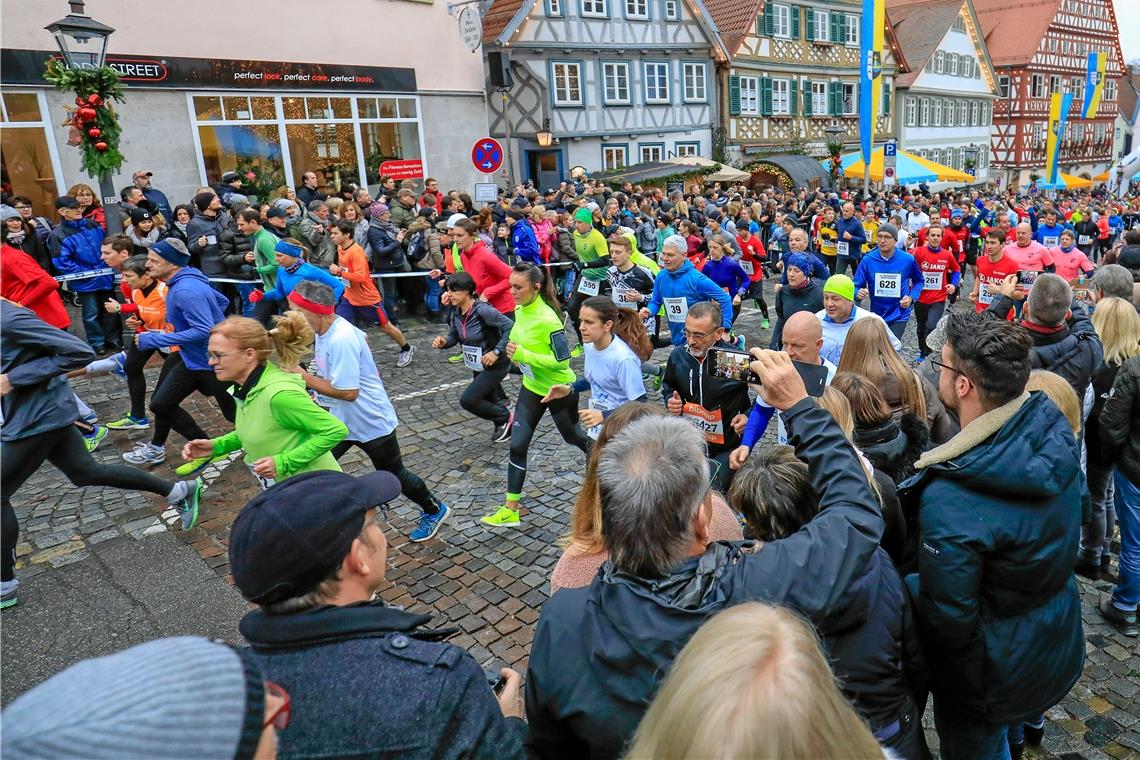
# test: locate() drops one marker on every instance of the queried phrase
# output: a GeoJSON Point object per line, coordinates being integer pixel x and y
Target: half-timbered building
{"type": "Point", "coordinates": [618, 81]}
{"type": "Point", "coordinates": [1039, 47]}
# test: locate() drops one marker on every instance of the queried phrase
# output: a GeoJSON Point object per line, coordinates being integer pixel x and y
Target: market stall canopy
{"type": "Point", "coordinates": [655, 173]}
{"type": "Point", "coordinates": [792, 170]}
{"type": "Point", "coordinates": [909, 168]}
{"type": "Point", "coordinates": [1064, 182]}
{"type": "Point", "coordinates": [719, 172]}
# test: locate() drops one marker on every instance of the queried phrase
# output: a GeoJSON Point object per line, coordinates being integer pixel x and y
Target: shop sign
{"type": "Point", "coordinates": [409, 169]}
{"type": "Point", "coordinates": [25, 67]}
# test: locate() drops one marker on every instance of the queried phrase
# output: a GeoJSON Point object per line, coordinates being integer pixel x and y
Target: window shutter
{"type": "Point", "coordinates": [795, 14]}
{"type": "Point", "coordinates": [769, 20]}
{"type": "Point", "coordinates": [734, 94]}
{"type": "Point", "coordinates": [835, 98]}
{"type": "Point", "coordinates": [807, 97]}
{"type": "Point", "coordinates": [793, 94]}
{"type": "Point", "coordinates": [809, 27]}
{"type": "Point", "coordinates": [836, 23]}
{"type": "Point", "coordinates": [886, 98]}
{"type": "Point", "coordinates": [766, 96]}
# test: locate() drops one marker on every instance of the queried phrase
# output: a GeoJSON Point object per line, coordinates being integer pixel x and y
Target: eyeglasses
{"type": "Point", "coordinates": [943, 365]}
{"type": "Point", "coordinates": [280, 717]}
{"type": "Point", "coordinates": [381, 514]}
{"type": "Point", "coordinates": [215, 356]}
{"type": "Point", "coordinates": [697, 335]}
{"type": "Point", "coordinates": [22, 207]}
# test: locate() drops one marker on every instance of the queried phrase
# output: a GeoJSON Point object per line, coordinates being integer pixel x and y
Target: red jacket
{"type": "Point", "coordinates": [491, 275]}
{"type": "Point", "coordinates": [24, 281]}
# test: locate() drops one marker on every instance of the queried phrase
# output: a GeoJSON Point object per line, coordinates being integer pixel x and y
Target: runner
{"type": "Point", "coordinates": [1070, 261]}
{"type": "Point", "coordinates": [616, 346]}
{"type": "Point", "coordinates": [38, 413]}
{"type": "Point", "coordinates": [291, 269]}
{"type": "Point", "coordinates": [1031, 257]}
{"type": "Point", "coordinates": [892, 278]}
{"type": "Point", "coordinates": [753, 261]}
{"type": "Point", "coordinates": [827, 238]}
{"type": "Point", "coordinates": [361, 300]}
{"type": "Point", "coordinates": [850, 241]}
{"type": "Point", "coordinates": [281, 430]}
{"type": "Point", "coordinates": [941, 276]}
{"type": "Point", "coordinates": [726, 272]}
{"type": "Point", "coordinates": [539, 347]}
{"type": "Point", "coordinates": [678, 286]}
{"type": "Point", "coordinates": [593, 255]}
{"type": "Point", "coordinates": [482, 331]}
{"type": "Point", "coordinates": [349, 383]}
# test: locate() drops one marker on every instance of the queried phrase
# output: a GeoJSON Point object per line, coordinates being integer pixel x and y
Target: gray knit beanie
{"type": "Point", "coordinates": [890, 229]}
{"type": "Point", "coordinates": [187, 696]}
{"type": "Point", "coordinates": [8, 212]}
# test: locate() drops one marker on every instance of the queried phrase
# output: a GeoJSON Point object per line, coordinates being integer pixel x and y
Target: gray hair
{"type": "Point", "coordinates": [316, 205]}
{"type": "Point", "coordinates": [1113, 280]}
{"type": "Point", "coordinates": [677, 243]}
{"type": "Point", "coordinates": [652, 478]}
{"type": "Point", "coordinates": [1050, 300]}
{"type": "Point", "coordinates": [317, 292]}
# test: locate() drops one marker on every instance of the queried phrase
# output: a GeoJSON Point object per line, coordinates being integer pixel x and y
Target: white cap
{"type": "Point", "coordinates": [454, 220]}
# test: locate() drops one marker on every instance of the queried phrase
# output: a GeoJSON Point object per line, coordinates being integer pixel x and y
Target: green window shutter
{"type": "Point", "coordinates": [734, 94]}
{"type": "Point", "coordinates": [886, 98]}
{"type": "Point", "coordinates": [769, 20]}
{"type": "Point", "coordinates": [835, 21]}
{"type": "Point", "coordinates": [766, 96]}
{"type": "Point", "coordinates": [793, 94]}
{"type": "Point", "coordinates": [809, 32]}
{"type": "Point", "coordinates": [807, 97]}
{"type": "Point", "coordinates": [795, 14]}
{"type": "Point", "coordinates": [835, 98]}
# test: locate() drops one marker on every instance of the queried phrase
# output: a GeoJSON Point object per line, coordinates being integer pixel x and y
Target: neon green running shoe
{"type": "Point", "coordinates": [192, 467]}
{"type": "Point", "coordinates": [456, 359]}
{"type": "Point", "coordinates": [504, 517]}
{"type": "Point", "coordinates": [577, 350]}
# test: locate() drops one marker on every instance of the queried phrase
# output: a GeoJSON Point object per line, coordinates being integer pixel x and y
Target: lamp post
{"type": "Point", "coordinates": [971, 154]}
{"type": "Point", "coordinates": [82, 43]}
{"type": "Point", "coordinates": [544, 136]}
{"type": "Point", "coordinates": [834, 148]}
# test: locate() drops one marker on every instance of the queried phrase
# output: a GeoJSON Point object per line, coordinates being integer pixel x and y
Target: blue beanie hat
{"type": "Point", "coordinates": [173, 250]}
{"type": "Point", "coordinates": [800, 261]}
{"type": "Point", "coordinates": [288, 249]}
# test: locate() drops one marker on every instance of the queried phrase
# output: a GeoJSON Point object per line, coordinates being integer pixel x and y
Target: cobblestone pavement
{"type": "Point", "coordinates": [488, 584]}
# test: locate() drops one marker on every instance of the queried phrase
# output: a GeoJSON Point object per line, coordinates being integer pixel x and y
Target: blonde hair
{"type": "Point", "coordinates": [1060, 393]}
{"type": "Point", "coordinates": [538, 213]}
{"type": "Point", "coordinates": [838, 406]}
{"type": "Point", "coordinates": [335, 204]}
{"type": "Point", "coordinates": [1118, 325]}
{"type": "Point", "coordinates": [867, 351]}
{"type": "Point", "coordinates": [290, 337]}
{"type": "Point", "coordinates": [775, 697]}
{"type": "Point", "coordinates": [73, 191]}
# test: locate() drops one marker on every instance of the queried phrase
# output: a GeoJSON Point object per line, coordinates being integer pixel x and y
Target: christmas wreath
{"type": "Point", "coordinates": [94, 125]}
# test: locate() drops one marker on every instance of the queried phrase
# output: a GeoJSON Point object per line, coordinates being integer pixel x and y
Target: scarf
{"type": "Point", "coordinates": [16, 239]}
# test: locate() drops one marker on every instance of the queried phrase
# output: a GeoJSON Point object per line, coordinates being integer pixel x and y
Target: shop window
{"type": "Point", "coordinates": [328, 149]}
{"type": "Point", "coordinates": [26, 162]}
{"type": "Point", "coordinates": [388, 142]}
{"type": "Point", "coordinates": [244, 148]}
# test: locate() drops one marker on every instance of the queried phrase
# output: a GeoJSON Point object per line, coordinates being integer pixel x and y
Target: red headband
{"type": "Point", "coordinates": [305, 303]}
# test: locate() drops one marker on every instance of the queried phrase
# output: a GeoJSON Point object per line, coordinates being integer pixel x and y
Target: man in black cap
{"type": "Point", "coordinates": [230, 184]}
{"type": "Point", "coordinates": [203, 233]}
{"type": "Point", "coordinates": [311, 554]}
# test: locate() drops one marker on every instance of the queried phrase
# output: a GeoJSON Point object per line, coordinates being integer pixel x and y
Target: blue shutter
{"type": "Point", "coordinates": [795, 16]}
{"type": "Point", "coordinates": [793, 94]}
{"type": "Point", "coordinates": [809, 31]}
{"type": "Point", "coordinates": [836, 21]}
{"type": "Point", "coordinates": [769, 20]}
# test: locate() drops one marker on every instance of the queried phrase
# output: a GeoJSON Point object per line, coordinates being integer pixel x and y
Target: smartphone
{"type": "Point", "coordinates": [494, 679]}
{"type": "Point", "coordinates": [730, 364]}
{"type": "Point", "coordinates": [1026, 278]}
{"type": "Point", "coordinates": [560, 345]}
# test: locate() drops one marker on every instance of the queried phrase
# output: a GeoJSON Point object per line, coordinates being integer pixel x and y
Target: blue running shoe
{"type": "Point", "coordinates": [429, 524]}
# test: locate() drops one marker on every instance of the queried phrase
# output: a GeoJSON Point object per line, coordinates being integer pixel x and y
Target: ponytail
{"type": "Point", "coordinates": [541, 276]}
{"type": "Point", "coordinates": [627, 325]}
{"type": "Point", "coordinates": [292, 337]}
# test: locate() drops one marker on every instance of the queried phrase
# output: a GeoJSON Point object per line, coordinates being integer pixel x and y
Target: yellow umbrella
{"type": "Point", "coordinates": [1102, 177]}
{"type": "Point", "coordinates": [909, 169]}
{"type": "Point", "coordinates": [1066, 182]}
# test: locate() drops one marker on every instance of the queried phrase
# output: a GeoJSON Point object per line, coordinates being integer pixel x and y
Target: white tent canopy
{"type": "Point", "coordinates": [726, 173]}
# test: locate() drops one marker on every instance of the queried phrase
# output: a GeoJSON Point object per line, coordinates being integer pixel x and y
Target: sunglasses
{"type": "Point", "coordinates": [280, 717]}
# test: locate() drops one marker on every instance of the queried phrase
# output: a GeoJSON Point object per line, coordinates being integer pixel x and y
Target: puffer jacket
{"type": "Point", "coordinates": [996, 596]}
{"type": "Point", "coordinates": [894, 446]}
{"type": "Point", "coordinates": [76, 247]}
{"type": "Point", "coordinates": [387, 252]}
{"type": "Point", "coordinates": [234, 247]}
{"type": "Point", "coordinates": [209, 256]}
{"type": "Point", "coordinates": [402, 216]}
{"type": "Point", "coordinates": [1120, 421]}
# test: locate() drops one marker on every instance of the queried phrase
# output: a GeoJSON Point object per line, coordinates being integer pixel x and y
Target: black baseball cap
{"type": "Point", "coordinates": [229, 177]}
{"type": "Point", "coordinates": [292, 536]}
{"type": "Point", "coordinates": [275, 211]}
{"type": "Point", "coordinates": [66, 201]}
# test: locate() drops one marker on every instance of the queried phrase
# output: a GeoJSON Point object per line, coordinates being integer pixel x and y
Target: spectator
{"type": "Point", "coordinates": [141, 178]}
{"type": "Point", "coordinates": [203, 234]}
{"type": "Point", "coordinates": [187, 694]}
{"type": "Point", "coordinates": [17, 232]}
{"type": "Point", "coordinates": [143, 231]}
{"type": "Point", "coordinates": [310, 553]}
{"type": "Point", "coordinates": [308, 191]}
{"type": "Point", "coordinates": [996, 597]}
{"type": "Point", "coordinates": [1111, 281]}
{"type": "Point", "coordinates": [891, 444]}
{"type": "Point", "coordinates": [41, 225]}
{"type": "Point", "coordinates": [76, 245]}
{"type": "Point", "coordinates": [591, 672]}
{"type": "Point", "coordinates": [404, 209]}
{"type": "Point", "coordinates": [228, 188]}
{"type": "Point", "coordinates": [524, 244]}
{"type": "Point", "coordinates": [180, 221]}
{"type": "Point", "coordinates": [314, 228]}
{"type": "Point", "coordinates": [24, 281]}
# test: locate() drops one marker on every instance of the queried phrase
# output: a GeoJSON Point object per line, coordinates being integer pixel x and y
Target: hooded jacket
{"type": "Point", "coordinates": [375, 683]}
{"type": "Point", "coordinates": [23, 281]}
{"type": "Point", "coordinates": [600, 652]}
{"type": "Point", "coordinates": [1119, 420]}
{"type": "Point", "coordinates": [894, 446]}
{"type": "Point", "coordinates": [694, 287]}
{"type": "Point", "coordinates": [999, 518]}
{"type": "Point", "coordinates": [76, 247]}
{"type": "Point", "coordinates": [877, 274]}
{"type": "Point", "coordinates": [524, 243]}
{"type": "Point", "coordinates": [193, 307]}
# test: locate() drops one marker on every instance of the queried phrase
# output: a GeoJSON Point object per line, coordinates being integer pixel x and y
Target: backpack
{"type": "Point", "coordinates": [417, 247]}
{"type": "Point", "coordinates": [647, 237]}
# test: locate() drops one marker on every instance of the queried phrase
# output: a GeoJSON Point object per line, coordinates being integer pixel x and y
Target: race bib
{"type": "Point", "coordinates": [932, 281]}
{"type": "Point", "coordinates": [676, 309]}
{"type": "Point", "coordinates": [1084, 239]}
{"type": "Point", "coordinates": [262, 481]}
{"type": "Point", "coordinates": [599, 406]}
{"type": "Point", "coordinates": [651, 325]}
{"type": "Point", "coordinates": [984, 297]}
{"type": "Point", "coordinates": [589, 287]}
{"type": "Point", "coordinates": [841, 248]}
{"type": "Point", "coordinates": [709, 423]}
{"type": "Point", "coordinates": [1050, 242]}
{"type": "Point", "coordinates": [473, 358]}
{"type": "Point", "coordinates": [526, 370]}
{"type": "Point", "coordinates": [618, 294]}
{"type": "Point", "coordinates": [747, 267]}
{"type": "Point", "coordinates": [888, 285]}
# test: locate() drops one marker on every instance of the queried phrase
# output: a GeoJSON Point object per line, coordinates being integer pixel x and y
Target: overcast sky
{"type": "Point", "coordinates": [1128, 20]}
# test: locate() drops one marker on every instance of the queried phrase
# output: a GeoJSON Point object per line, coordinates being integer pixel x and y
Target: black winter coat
{"type": "Point", "coordinates": [234, 246]}
{"type": "Point", "coordinates": [601, 651]}
{"type": "Point", "coordinates": [894, 446]}
{"type": "Point", "coordinates": [1120, 421]}
{"type": "Point", "coordinates": [790, 300]}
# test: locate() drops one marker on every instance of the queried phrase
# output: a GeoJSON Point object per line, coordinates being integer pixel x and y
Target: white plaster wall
{"type": "Point", "coordinates": [451, 127]}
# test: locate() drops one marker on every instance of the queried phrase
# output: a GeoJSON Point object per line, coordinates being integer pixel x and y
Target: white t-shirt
{"type": "Point", "coordinates": [781, 431]}
{"type": "Point", "coordinates": [344, 359]}
{"type": "Point", "coordinates": [614, 374]}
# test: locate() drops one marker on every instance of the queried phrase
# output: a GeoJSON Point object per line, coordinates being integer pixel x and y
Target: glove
{"type": "Point", "coordinates": [256, 296]}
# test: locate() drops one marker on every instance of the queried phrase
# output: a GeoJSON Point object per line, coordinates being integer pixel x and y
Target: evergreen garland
{"type": "Point", "coordinates": [94, 126]}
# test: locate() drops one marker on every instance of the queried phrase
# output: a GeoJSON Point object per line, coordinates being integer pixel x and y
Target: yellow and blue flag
{"type": "Point", "coordinates": [1059, 106]}
{"type": "Point", "coordinates": [872, 32]}
{"type": "Point", "coordinates": [1094, 83]}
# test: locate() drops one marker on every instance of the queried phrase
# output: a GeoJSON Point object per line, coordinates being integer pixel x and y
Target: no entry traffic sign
{"type": "Point", "coordinates": [487, 155]}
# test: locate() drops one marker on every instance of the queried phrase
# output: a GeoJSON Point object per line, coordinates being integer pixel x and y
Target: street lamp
{"type": "Point", "coordinates": [545, 137]}
{"type": "Point", "coordinates": [834, 132]}
{"type": "Point", "coordinates": [81, 39]}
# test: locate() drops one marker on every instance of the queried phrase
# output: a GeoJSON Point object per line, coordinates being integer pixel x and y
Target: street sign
{"type": "Point", "coordinates": [971, 172]}
{"type": "Point", "coordinates": [891, 149]}
{"type": "Point", "coordinates": [486, 192]}
{"type": "Point", "coordinates": [470, 28]}
{"type": "Point", "coordinates": [408, 169]}
{"type": "Point", "coordinates": [487, 155]}
{"type": "Point", "coordinates": [890, 161]}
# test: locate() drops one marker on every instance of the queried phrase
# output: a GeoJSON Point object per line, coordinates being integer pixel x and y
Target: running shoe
{"type": "Point", "coordinates": [91, 441]}
{"type": "Point", "coordinates": [188, 506]}
{"type": "Point", "coordinates": [8, 593]}
{"type": "Point", "coordinates": [405, 357]}
{"type": "Point", "coordinates": [129, 423]}
{"type": "Point", "coordinates": [577, 350]}
{"type": "Point", "coordinates": [741, 344]}
{"type": "Point", "coordinates": [504, 517]}
{"type": "Point", "coordinates": [458, 358]}
{"type": "Point", "coordinates": [429, 524]}
{"type": "Point", "coordinates": [146, 454]}
{"type": "Point", "coordinates": [765, 324]}
{"type": "Point", "coordinates": [194, 466]}
{"type": "Point", "coordinates": [503, 432]}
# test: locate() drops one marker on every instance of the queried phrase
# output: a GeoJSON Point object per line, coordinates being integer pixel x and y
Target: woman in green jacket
{"type": "Point", "coordinates": [538, 346]}
{"type": "Point", "coordinates": [280, 428]}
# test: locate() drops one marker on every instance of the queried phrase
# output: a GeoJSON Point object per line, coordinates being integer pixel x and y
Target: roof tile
{"type": "Point", "coordinates": [919, 26]}
{"type": "Point", "coordinates": [1014, 28]}
{"type": "Point", "coordinates": [498, 16]}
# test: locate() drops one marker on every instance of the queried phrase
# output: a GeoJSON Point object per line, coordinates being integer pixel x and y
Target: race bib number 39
{"type": "Point", "coordinates": [676, 309]}
{"type": "Point", "coordinates": [888, 285]}
{"type": "Point", "coordinates": [711, 423]}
